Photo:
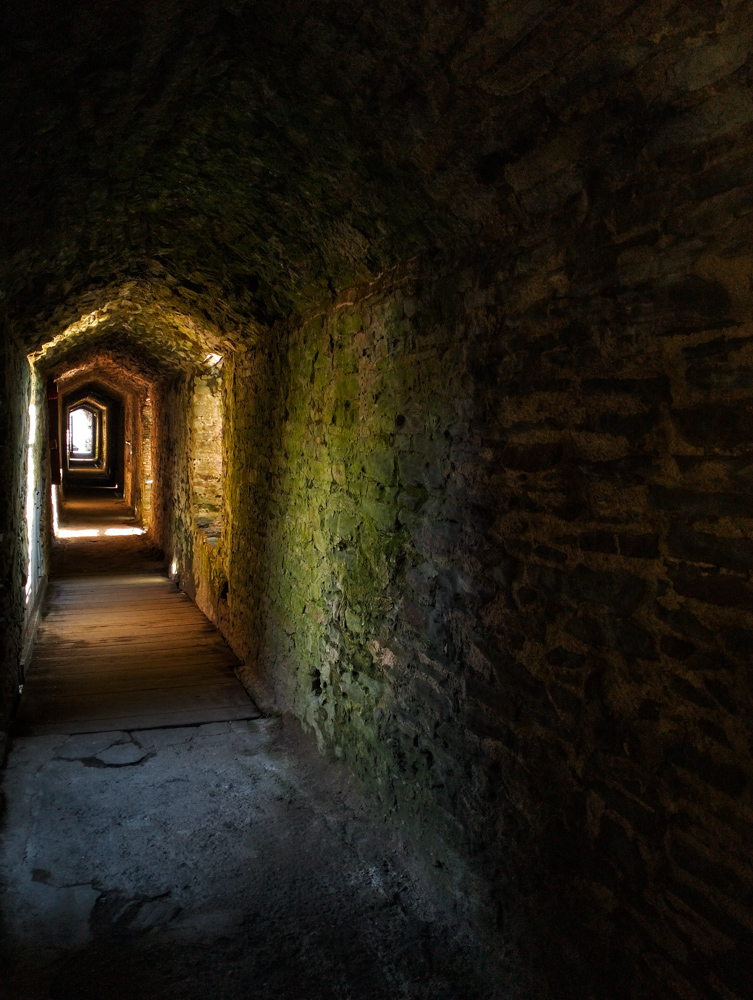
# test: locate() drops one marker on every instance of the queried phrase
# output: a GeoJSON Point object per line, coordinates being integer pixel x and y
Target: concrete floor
{"type": "Point", "coordinates": [220, 861]}
{"type": "Point", "coordinates": [226, 860]}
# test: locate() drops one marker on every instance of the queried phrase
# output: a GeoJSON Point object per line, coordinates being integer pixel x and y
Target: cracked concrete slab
{"type": "Point", "coordinates": [122, 755]}
{"type": "Point", "coordinates": [224, 860]}
{"type": "Point", "coordinates": [88, 744]}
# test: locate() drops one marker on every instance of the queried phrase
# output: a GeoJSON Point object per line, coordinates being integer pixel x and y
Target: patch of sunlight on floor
{"type": "Point", "coordinates": [95, 532]}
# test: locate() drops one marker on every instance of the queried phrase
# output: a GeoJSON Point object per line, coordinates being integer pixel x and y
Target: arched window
{"type": "Point", "coordinates": [83, 443]}
{"type": "Point", "coordinates": [92, 418]}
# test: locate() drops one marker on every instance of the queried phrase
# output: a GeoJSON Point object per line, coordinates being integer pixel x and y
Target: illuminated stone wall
{"type": "Point", "coordinates": [481, 277]}
{"type": "Point", "coordinates": [206, 454]}
{"type": "Point", "coordinates": [145, 424]}
{"type": "Point", "coordinates": [500, 566]}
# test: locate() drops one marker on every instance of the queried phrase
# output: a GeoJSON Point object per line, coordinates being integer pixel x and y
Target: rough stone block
{"type": "Point", "coordinates": [624, 637]}
{"type": "Point", "coordinates": [649, 390]}
{"type": "Point", "coordinates": [437, 704]}
{"type": "Point", "coordinates": [561, 657]}
{"type": "Point", "coordinates": [711, 378]}
{"type": "Point", "coordinates": [620, 591]}
{"type": "Point", "coordinates": [598, 541]}
{"type": "Point", "coordinates": [724, 590]}
{"type": "Point", "coordinates": [639, 546]}
{"type": "Point", "coordinates": [623, 854]}
{"type": "Point", "coordinates": [715, 424]}
{"type": "Point", "coordinates": [702, 864]}
{"type": "Point", "coordinates": [382, 515]}
{"type": "Point", "coordinates": [418, 470]}
{"type": "Point", "coordinates": [689, 692]}
{"type": "Point", "coordinates": [678, 649]}
{"type": "Point", "coordinates": [710, 662]}
{"type": "Point", "coordinates": [379, 465]}
{"type": "Point", "coordinates": [422, 579]}
{"type": "Point", "coordinates": [435, 537]}
{"type": "Point", "coordinates": [738, 640]}
{"type": "Point", "coordinates": [715, 117]}
{"type": "Point", "coordinates": [531, 457]}
{"type": "Point", "coordinates": [727, 778]}
{"type": "Point", "coordinates": [701, 903]}
{"type": "Point", "coordinates": [721, 693]}
{"type": "Point", "coordinates": [550, 554]}
{"type": "Point", "coordinates": [641, 816]}
{"type": "Point", "coordinates": [684, 622]}
{"type": "Point", "coordinates": [697, 546]}
{"type": "Point", "coordinates": [634, 426]}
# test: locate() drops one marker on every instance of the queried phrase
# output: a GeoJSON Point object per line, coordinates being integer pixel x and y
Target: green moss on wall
{"type": "Point", "coordinates": [338, 459]}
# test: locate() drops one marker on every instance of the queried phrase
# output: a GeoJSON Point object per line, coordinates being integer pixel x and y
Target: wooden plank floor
{"type": "Point", "coordinates": [127, 651]}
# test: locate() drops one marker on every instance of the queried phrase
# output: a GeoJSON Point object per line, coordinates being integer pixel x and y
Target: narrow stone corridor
{"type": "Point", "coordinates": [409, 344]}
{"type": "Point", "coordinates": [150, 850]}
{"type": "Point", "coordinates": [121, 648]}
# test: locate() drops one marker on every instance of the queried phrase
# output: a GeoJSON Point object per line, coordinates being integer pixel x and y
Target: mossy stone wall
{"type": "Point", "coordinates": [486, 524]}
{"type": "Point", "coordinates": [500, 565]}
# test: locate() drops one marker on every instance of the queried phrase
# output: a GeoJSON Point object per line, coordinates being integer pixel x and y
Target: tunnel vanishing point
{"type": "Point", "coordinates": [419, 337]}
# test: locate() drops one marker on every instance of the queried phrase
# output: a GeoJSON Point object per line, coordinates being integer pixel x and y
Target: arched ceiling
{"type": "Point", "coordinates": [240, 145]}
{"type": "Point", "coordinates": [94, 393]}
{"type": "Point", "coordinates": [142, 326]}
{"type": "Point", "coordinates": [104, 370]}
{"type": "Point", "coordinates": [246, 158]}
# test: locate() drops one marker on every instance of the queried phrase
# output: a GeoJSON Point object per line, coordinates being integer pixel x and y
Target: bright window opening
{"type": "Point", "coordinates": [82, 434]}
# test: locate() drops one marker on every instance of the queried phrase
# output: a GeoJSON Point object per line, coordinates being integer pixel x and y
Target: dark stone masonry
{"type": "Point", "coordinates": [433, 327]}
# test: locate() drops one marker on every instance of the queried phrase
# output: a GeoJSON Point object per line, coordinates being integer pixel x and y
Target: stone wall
{"type": "Point", "coordinates": [13, 552]}
{"type": "Point", "coordinates": [145, 422]}
{"type": "Point", "coordinates": [132, 459]}
{"type": "Point", "coordinates": [24, 520]}
{"type": "Point", "coordinates": [171, 520]}
{"type": "Point", "coordinates": [206, 449]}
{"type": "Point", "coordinates": [486, 522]}
{"type": "Point", "coordinates": [194, 555]}
{"type": "Point", "coordinates": [191, 520]}
{"type": "Point", "coordinates": [36, 510]}
{"type": "Point", "coordinates": [489, 539]}
{"type": "Point", "coordinates": [614, 657]}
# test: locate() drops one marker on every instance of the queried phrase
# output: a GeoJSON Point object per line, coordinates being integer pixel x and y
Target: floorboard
{"type": "Point", "coordinates": [126, 651]}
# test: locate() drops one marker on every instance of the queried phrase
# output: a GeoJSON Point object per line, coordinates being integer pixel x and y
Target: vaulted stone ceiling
{"type": "Point", "coordinates": [252, 157]}
{"type": "Point", "coordinates": [139, 325]}
{"type": "Point", "coordinates": [492, 484]}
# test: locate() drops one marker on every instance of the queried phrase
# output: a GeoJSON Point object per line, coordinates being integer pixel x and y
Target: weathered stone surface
{"type": "Point", "coordinates": [639, 546]}
{"type": "Point", "coordinates": [728, 778]}
{"type": "Point", "coordinates": [479, 275]}
{"type": "Point", "coordinates": [701, 547]}
{"type": "Point", "coordinates": [712, 587]}
{"type": "Point", "coordinates": [13, 541]}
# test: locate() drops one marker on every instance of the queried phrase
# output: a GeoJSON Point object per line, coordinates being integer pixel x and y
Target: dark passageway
{"type": "Point", "coordinates": [94, 438]}
{"type": "Point", "coordinates": [156, 823]}
{"type": "Point", "coordinates": [412, 342]}
{"type": "Point", "coordinates": [119, 647]}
